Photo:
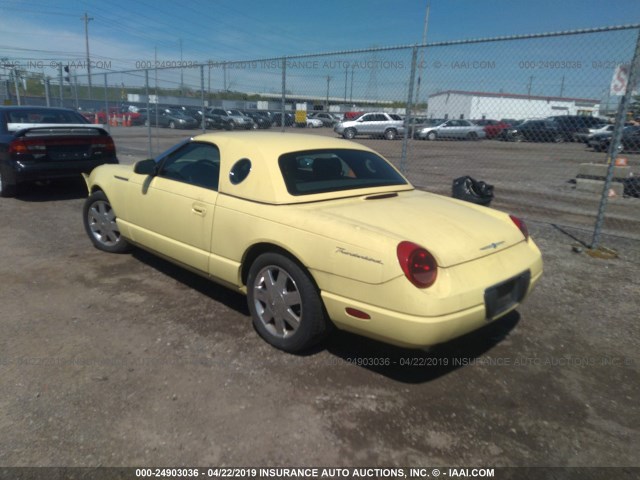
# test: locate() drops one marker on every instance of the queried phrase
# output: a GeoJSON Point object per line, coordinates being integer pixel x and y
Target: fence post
{"type": "Point", "coordinates": [616, 137]}
{"type": "Point", "coordinates": [146, 91]}
{"type": "Point", "coordinates": [407, 118]}
{"type": "Point", "coordinates": [46, 91]}
{"type": "Point", "coordinates": [202, 96]}
{"type": "Point", "coordinates": [284, 93]}
{"type": "Point", "coordinates": [106, 103]}
{"type": "Point", "coordinates": [15, 83]}
{"type": "Point", "coordinates": [61, 83]}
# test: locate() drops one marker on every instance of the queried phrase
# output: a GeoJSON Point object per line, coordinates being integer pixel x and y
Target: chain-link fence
{"type": "Point", "coordinates": [546, 118]}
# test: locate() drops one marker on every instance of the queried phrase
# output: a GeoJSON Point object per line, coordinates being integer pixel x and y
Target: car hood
{"type": "Point", "coordinates": [453, 231]}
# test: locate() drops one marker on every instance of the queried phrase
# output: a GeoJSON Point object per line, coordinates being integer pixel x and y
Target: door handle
{"type": "Point", "coordinates": [198, 209]}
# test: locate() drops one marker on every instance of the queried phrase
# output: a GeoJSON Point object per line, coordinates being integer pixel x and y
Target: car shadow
{"type": "Point", "coordinates": [399, 364]}
{"type": "Point", "coordinates": [218, 293]}
{"type": "Point", "coordinates": [418, 366]}
{"type": "Point", "coordinates": [51, 191]}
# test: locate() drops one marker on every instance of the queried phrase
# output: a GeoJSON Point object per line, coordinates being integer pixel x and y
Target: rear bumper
{"type": "Point", "coordinates": [412, 331]}
{"type": "Point", "coordinates": [30, 172]}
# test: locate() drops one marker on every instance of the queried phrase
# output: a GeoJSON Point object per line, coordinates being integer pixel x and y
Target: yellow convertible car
{"type": "Point", "coordinates": [317, 232]}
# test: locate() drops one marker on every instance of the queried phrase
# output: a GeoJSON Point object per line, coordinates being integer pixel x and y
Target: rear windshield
{"type": "Point", "coordinates": [329, 170]}
{"type": "Point", "coordinates": [43, 115]}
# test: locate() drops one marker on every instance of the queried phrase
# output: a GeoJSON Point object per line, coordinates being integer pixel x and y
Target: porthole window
{"type": "Point", "coordinates": [240, 171]}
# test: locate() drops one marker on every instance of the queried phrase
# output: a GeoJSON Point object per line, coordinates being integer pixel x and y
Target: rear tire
{"type": "Point", "coordinates": [390, 134]}
{"type": "Point", "coordinates": [285, 304]}
{"type": "Point", "coordinates": [349, 133]}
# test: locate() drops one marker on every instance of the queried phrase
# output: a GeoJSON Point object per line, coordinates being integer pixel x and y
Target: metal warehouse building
{"type": "Point", "coordinates": [480, 105]}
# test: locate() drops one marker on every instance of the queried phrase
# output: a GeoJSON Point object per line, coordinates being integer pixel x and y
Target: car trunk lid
{"type": "Point", "coordinates": [453, 231]}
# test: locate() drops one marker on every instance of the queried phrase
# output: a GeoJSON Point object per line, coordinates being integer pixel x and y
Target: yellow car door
{"type": "Point", "coordinates": [172, 212]}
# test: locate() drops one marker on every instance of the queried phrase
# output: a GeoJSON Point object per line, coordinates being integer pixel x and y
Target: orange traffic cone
{"type": "Point", "coordinates": [96, 121]}
{"type": "Point", "coordinates": [128, 121]}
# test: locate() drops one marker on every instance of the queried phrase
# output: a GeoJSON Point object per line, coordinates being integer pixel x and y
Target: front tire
{"type": "Point", "coordinates": [432, 136]}
{"type": "Point", "coordinates": [100, 224]}
{"type": "Point", "coordinates": [285, 304]}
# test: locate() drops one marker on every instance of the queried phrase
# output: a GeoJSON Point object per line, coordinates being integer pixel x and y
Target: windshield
{"type": "Point", "coordinates": [329, 170]}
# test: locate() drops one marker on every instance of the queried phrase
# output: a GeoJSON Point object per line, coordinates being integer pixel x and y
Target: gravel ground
{"type": "Point", "coordinates": [127, 360]}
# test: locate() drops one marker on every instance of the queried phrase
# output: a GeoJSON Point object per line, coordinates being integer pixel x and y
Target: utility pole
{"type": "Point", "coordinates": [562, 86]}
{"type": "Point", "coordinates": [86, 18]}
{"type": "Point", "coordinates": [530, 84]}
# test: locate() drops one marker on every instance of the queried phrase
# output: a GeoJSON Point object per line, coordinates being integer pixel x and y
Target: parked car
{"type": "Point", "coordinates": [492, 128]}
{"type": "Point", "coordinates": [328, 119]}
{"type": "Point", "coordinates": [534, 131]}
{"type": "Point", "coordinates": [276, 119]}
{"type": "Point", "coordinates": [211, 120]}
{"type": "Point", "coordinates": [170, 118]}
{"type": "Point", "coordinates": [317, 232]}
{"type": "Point", "coordinates": [260, 120]}
{"type": "Point", "coordinates": [414, 123]}
{"type": "Point", "coordinates": [42, 143]}
{"type": "Point", "coordinates": [456, 129]}
{"type": "Point", "coordinates": [312, 122]}
{"type": "Point", "coordinates": [239, 120]}
{"type": "Point", "coordinates": [572, 125]}
{"type": "Point", "coordinates": [630, 140]}
{"type": "Point", "coordinates": [586, 134]}
{"type": "Point", "coordinates": [352, 115]}
{"type": "Point", "coordinates": [374, 124]}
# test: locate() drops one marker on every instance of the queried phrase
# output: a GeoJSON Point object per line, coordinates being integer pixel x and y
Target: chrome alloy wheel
{"type": "Point", "coordinates": [277, 301]}
{"type": "Point", "coordinates": [101, 220]}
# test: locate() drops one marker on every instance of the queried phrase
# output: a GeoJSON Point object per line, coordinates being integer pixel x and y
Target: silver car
{"type": "Point", "coordinates": [462, 129]}
{"type": "Point", "coordinates": [374, 124]}
{"type": "Point", "coordinates": [236, 116]}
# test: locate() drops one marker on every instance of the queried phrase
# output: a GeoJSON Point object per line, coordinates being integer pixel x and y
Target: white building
{"type": "Point", "coordinates": [481, 105]}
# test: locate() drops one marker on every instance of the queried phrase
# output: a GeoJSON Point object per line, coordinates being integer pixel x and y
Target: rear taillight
{"type": "Point", "coordinates": [104, 144]}
{"type": "Point", "coordinates": [33, 146]}
{"type": "Point", "coordinates": [418, 264]}
{"type": "Point", "coordinates": [521, 226]}
{"type": "Point", "coordinates": [27, 146]}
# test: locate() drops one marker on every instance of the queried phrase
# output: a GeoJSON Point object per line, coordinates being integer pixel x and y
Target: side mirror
{"type": "Point", "coordinates": [146, 167]}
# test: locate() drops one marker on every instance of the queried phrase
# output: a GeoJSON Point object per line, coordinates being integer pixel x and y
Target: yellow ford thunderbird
{"type": "Point", "coordinates": [317, 232]}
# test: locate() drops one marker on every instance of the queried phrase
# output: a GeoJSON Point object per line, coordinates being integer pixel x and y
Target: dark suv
{"type": "Point", "coordinates": [572, 125]}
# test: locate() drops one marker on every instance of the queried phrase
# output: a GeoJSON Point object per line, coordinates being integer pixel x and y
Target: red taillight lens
{"type": "Point", "coordinates": [418, 264]}
{"type": "Point", "coordinates": [103, 144]}
{"type": "Point", "coordinates": [521, 225]}
{"type": "Point", "coordinates": [24, 146]}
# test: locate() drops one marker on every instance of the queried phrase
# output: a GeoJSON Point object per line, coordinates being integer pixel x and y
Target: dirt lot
{"type": "Point", "coordinates": [126, 360]}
